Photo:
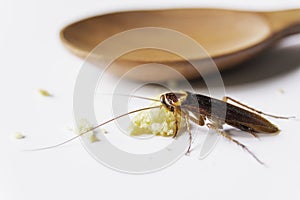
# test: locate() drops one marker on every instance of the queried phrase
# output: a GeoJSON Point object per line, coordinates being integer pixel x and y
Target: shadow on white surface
{"type": "Point", "coordinates": [274, 62]}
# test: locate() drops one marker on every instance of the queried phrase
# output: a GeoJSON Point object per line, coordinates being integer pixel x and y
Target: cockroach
{"type": "Point", "coordinates": [205, 110]}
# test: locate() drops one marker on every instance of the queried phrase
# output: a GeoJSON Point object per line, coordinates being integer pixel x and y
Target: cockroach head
{"type": "Point", "coordinates": [171, 100]}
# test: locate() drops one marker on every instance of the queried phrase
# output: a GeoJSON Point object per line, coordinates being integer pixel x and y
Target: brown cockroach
{"type": "Point", "coordinates": [204, 110]}
{"type": "Point", "coordinates": [241, 117]}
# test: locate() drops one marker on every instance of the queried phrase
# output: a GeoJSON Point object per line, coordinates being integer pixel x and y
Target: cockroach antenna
{"type": "Point", "coordinates": [134, 96]}
{"type": "Point", "coordinates": [91, 129]}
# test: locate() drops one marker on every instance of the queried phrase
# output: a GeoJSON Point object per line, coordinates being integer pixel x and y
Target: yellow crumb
{"type": "Point", "coordinates": [281, 91]}
{"type": "Point", "coordinates": [84, 126]}
{"type": "Point", "coordinates": [93, 138]}
{"type": "Point", "coordinates": [19, 136]}
{"type": "Point", "coordinates": [158, 121]}
{"type": "Point", "coordinates": [44, 93]}
{"type": "Point", "coordinates": [103, 131]}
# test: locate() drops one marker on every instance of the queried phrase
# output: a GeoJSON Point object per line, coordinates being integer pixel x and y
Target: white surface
{"type": "Point", "coordinates": [32, 57]}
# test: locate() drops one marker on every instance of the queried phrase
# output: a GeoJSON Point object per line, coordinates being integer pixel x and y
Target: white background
{"type": "Point", "coordinates": [32, 57]}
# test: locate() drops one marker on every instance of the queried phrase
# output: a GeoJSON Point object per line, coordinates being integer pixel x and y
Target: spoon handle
{"type": "Point", "coordinates": [284, 22]}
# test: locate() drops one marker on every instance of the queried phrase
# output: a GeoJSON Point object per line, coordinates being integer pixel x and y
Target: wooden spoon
{"type": "Point", "coordinates": [230, 37]}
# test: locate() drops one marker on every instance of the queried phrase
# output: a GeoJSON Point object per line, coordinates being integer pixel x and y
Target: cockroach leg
{"type": "Point", "coordinates": [226, 135]}
{"type": "Point", "coordinates": [188, 127]}
{"type": "Point", "coordinates": [226, 98]}
{"type": "Point", "coordinates": [200, 121]}
{"type": "Point", "coordinates": [254, 134]}
{"type": "Point", "coordinates": [176, 122]}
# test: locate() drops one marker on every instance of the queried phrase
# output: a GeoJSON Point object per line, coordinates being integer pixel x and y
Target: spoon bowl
{"type": "Point", "coordinates": [230, 37]}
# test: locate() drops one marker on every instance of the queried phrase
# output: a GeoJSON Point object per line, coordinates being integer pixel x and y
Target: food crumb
{"type": "Point", "coordinates": [281, 91]}
{"type": "Point", "coordinates": [93, 138]}
{"type": "Point", "coordinates": [84, 126]}
{"type": "Point", "coordinates": [19, 136]}
{"type": "Point", "coordinates": [103, 131]}
{"type": "Point", "coordinates": [44, 93]}
{"type": "Point", "coordinates": [158, 121]}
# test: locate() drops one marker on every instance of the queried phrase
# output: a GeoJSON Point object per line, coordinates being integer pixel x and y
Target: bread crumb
{"type": "Point", "coordinates": [19, 136]}
{"type": "Point", "coordinates": [281, 91]}
{"type": "Point", "coordinates": [158, 121]}
{"type": "Point", "coordinates": [103, 131]}
{"type": "Point", "coordinates": [93, 138]}
{"type": "Point", "coordinates": [84, 126]}
{"type": "Point", "coordinates": [44, 93]}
